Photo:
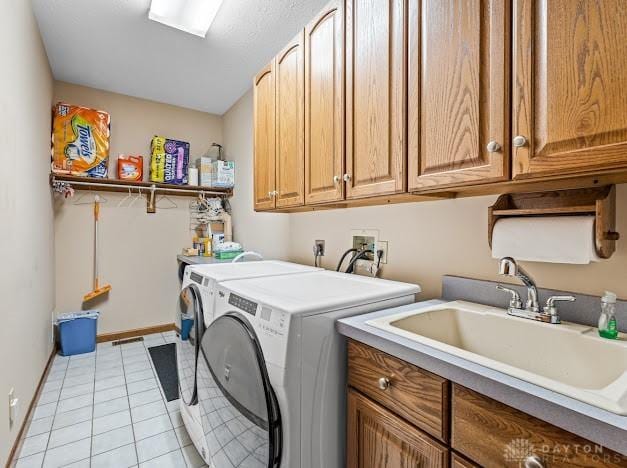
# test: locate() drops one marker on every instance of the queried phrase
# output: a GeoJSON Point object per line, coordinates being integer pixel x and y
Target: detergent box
{"type": "Point", "coordinates": [130, 167]}
{"type": "Point", "coordinates": [80, 141]}
{"type": "Point", "coordinates": [222, 174]}
{"type": "Point", "coordinates": [215, 173]}
{"type": "Point", "coordinates": [169, 160]}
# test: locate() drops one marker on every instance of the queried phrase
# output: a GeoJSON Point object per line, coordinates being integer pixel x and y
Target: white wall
{"type": "Point", "coordinates": [26, 234]}
{"type": "Point", "coordinates": [431, 239]}
{"type": "Point", "coordinates": [138, 250]}
{"type": "Point", "coordinates": [267, 233]}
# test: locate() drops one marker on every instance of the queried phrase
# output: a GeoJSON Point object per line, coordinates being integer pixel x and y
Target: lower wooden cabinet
{"type": "Point", "coordinates": [496, 435]}
{"type": "Point", "coordinates": [457, 461]}
{"type": "Point", "coordinates": [378, 438]}
{"type": "Point", "coordinates": [388, 400]}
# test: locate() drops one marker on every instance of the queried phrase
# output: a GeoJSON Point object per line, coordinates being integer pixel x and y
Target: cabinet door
{"type": "Point", "coordinates": [378, 438]}
{"type": "Point", "coordinates": [290, 124]}
{"type": "Point", "coordinates": [457, 461]}
{"type": "Point", "coordinates": [570, 86]}
{"type": "Point", "coordinates": [458, 92]}
{"type": "Point", "coordinates": [375, 97]}
{"type": "Point", "coordinates": [324, 105]}
{"type": "Point", "coordinates": [264, 136]}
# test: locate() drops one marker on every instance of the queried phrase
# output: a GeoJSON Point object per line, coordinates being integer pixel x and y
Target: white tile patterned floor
{"type": "Point", "coordinates": [107, 409]}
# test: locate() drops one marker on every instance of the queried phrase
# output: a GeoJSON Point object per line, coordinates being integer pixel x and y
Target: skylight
{"type": "Point", "coordinates": [192, 16]}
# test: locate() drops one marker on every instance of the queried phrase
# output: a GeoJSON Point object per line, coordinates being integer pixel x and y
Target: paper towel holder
{"type": "Point", "coordinates": [599, 202]}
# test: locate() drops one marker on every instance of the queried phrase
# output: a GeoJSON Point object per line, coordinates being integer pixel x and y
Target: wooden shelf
{"type": "Point", "coordinates": [562, 210]}
{"type": "Point", "coordinates": [114, 185]}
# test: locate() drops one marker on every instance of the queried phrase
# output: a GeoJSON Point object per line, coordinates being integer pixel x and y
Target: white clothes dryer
{"type": "Point", "coordinates": [272, 368]}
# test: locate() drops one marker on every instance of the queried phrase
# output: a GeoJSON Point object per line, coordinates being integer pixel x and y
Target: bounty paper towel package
{"type": "Point", "coordinates": [169, 161]}
{"type": "Point", "coordinates": [80, 141]}
{"type": "Point", "coordinates": [204, 168]}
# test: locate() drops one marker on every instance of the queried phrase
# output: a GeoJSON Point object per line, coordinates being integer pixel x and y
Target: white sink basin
{"type": "Point", "coordinates": [567, 358]}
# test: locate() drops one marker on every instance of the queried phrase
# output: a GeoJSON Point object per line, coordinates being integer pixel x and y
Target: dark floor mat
{"type": "Point", "coordinates": [164, 358]}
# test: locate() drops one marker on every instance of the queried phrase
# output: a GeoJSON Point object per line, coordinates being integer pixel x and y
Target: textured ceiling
{"type": "Point", "coordinates": [112, 45]}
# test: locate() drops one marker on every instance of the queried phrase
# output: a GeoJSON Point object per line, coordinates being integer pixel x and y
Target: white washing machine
{"type": "Point", "coordinates": [272, 368]}
{"type": "Point", "coordinates": [196, 311]}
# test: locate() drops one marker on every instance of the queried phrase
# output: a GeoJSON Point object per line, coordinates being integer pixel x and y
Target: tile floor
{"type": "Point", "coordinates": [107, 409]}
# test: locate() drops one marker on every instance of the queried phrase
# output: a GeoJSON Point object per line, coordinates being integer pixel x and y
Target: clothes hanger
{"type": "Point", "coordinates": [171, 205]}
{"type": "Point", "coordinates": [137, 197]}
{"type": "Point", "coordinates": [127, 197]}
{"type": "Point", "coordinates": [78, 201]}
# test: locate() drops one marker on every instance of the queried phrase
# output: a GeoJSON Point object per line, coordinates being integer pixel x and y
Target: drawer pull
{"type": "Point", "coordinates": [384, 383]}
{"type": "Point", "coordinates": [533, 461]}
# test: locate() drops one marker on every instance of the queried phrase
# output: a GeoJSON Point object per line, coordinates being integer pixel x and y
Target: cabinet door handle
{"type": "Point", "coordinates": [533, 461]}
{"type": "Point", "coordinates": [493, 147]}
{"type": "Point", "coordinates": [336, 179]}
{"type": "Point", "coordinates": [347, 177]}
{"type": "Point", "coordinates": [384, 383]}
{"type": "Point", "coordinates": [519, 141]}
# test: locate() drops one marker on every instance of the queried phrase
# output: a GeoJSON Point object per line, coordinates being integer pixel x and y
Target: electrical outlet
{"type": "Point", "coordinates": [383, 245]}
{"type": "Point", "coordinates": [319, 247]}
{"type": "Point", "coordinates": [14, 408]}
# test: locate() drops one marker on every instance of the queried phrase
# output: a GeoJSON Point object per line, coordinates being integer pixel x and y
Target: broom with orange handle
{"type": "Point", "coordinates": [97, 289]}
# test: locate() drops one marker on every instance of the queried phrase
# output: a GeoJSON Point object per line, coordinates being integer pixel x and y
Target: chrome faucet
{"type": "Point", "coordinates": [509, 267]}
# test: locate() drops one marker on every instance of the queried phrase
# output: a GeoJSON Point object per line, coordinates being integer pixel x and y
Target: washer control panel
{"type": "Point", "coordinates": [241, 303]}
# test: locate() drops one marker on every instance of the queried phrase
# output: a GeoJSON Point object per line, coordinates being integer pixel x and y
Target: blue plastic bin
{"type": "Point", "coordinates": [186, 327]}
{"type": "Point", "coordinates": [77, 332]}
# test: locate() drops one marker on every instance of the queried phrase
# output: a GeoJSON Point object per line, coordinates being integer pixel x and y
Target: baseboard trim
{"type": "Point", "coordinates": [135, 332]}
{"type": "Point", "coordinates": [21, 435]}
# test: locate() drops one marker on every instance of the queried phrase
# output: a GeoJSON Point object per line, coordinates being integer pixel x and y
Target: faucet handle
{"type": "Point", "coordinates": [551, 308]}
{"type": "Point", "coordinates": [515, 301]}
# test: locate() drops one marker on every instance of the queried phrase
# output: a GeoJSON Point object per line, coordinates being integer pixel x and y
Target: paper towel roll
{"type": "Point", "coordinates": [193, 176]}
{"type": "Point", "coordinates": [552, 239]}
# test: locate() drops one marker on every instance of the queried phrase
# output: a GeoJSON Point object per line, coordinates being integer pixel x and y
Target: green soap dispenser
{"type": "Point", "coordinates": [607, 320]}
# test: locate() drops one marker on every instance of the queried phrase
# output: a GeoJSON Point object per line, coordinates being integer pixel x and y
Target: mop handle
{"type": "Point", "coordinates": [96, 215]}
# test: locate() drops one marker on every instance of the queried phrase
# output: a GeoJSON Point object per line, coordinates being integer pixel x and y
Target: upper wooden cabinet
{"type": "Point", "coordinates": [290, 124]}
{"type": "Point", "coordinates": [324, 105]}
{"type": "Point", "coordinates": [264, 138]}
{"type": "Point", "coordinates": [569, 86]}
{"type": "Point", "coordinates": [458, 92]}
{"type": "Point", "coordinates": [375, 97]}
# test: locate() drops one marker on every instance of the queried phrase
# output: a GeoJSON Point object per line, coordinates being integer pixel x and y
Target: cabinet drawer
{"type": "Point", "coordinates": [496, 435]}
{"type": "Point", "coordinates": [416, 395]}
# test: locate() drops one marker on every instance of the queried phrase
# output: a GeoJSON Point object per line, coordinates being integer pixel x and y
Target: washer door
{"type": "Point", "coordinates": [240, 413]}
{"type": "Point", "coordinates": [190, 326]}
